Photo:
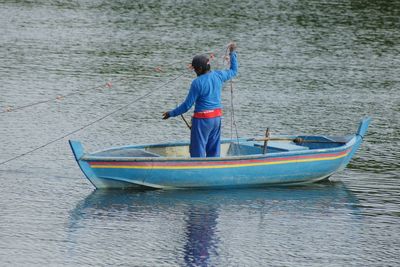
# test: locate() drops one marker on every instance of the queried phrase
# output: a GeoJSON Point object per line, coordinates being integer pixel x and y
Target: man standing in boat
{"type": "Point", "coordinates": [205, 93]}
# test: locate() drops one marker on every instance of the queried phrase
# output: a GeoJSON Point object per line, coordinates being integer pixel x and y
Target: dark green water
{"type": "Point", "coordinates": [305, 67]}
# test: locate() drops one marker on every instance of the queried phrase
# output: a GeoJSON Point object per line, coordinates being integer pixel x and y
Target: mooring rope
{"type": "Point", "coordinates": [109, 84]}
{"type": "Point", "coordinates": [93, 122]}
{"type": "Point", "coordinates": [59, 97]}
{"type": "Point", "coordinates": [88, 124]}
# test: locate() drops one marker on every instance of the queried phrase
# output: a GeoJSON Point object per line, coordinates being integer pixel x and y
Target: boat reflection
{"type": "Point", "coordinates": [193, 216]}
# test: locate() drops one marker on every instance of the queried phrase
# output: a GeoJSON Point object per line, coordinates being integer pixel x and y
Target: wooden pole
{"type": "Point", "coordinates": [186, 122]}
{"type": "Point", "coordinates": [266, 141]}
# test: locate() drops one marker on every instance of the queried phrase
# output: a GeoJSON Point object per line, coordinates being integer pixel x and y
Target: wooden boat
{"type": "Point", "coordinates": [243, 163]}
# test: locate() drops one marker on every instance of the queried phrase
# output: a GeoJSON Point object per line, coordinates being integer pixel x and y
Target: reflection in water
{"type": "Point", "coordinates": [200, 227]}
{"type": "Point", "coordinates": [189, 219]}
{"type": "Point", "coordinates": [104, 203]}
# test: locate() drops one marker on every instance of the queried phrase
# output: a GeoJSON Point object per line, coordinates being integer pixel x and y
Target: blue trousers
{"type": "Point", "coordinates": [205, 137]}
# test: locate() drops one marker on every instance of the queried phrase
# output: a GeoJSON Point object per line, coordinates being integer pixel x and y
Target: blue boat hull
{"type": "Point", "coordinates": [114, 169]}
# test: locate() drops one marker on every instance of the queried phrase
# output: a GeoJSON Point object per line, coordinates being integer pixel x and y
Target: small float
{"type": "Point", "coordinates": [244, 162]}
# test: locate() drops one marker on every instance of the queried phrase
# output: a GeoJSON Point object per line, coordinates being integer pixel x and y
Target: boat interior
{"type": "Point", "coordinates": [229, 147]}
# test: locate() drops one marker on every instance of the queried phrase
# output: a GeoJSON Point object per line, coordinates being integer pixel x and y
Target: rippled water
{"type": "Point", "coordinates": [305, 67]}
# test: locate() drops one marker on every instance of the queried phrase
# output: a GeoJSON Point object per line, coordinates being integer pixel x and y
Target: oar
{"type": "Point", "coordinates": [295, 140]}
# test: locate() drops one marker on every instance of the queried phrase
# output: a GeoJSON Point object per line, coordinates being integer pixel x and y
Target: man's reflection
{"type": "Point", "coordinates": [200, 244]}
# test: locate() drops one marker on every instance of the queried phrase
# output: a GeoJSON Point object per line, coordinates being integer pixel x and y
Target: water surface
{"type": "Point", "coordinates": [305, 67]}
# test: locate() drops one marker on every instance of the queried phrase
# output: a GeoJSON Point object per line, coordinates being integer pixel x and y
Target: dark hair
{"type": "Point", "coordinates": [201, 64]}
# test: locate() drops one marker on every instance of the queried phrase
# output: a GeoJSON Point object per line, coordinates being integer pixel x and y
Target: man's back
{"type": "Point", "coordinates": [205, 90]}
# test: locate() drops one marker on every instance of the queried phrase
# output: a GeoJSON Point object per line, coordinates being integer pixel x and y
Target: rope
{"type": "Point", "coordinates": [232, 112]}
{"type": "Point", "coordinates": [108, 84]}
{"type": "Point", "coordinates": [86, 125]}
{"type": "Point", "coordinates": [233, 121]}
{"type": "Point", "coordinates": [93, 122]}
{"type": "Point", "coordinates": [10, 109]}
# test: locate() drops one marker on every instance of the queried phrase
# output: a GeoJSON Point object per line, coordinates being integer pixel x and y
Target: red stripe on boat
{"type": "Point", "coordinates": [214, 163]}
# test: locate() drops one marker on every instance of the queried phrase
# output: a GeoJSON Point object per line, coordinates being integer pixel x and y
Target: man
{"type": "Point", "coordinates": [205, 93]}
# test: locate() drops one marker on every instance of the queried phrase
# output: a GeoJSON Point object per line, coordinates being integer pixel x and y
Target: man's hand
{"type": "Point", "coordinates": [165, 115]}
{"type": "Point", "coordinates": [232, 47]}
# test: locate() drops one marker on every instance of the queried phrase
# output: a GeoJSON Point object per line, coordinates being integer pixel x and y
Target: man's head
{"type": "Point", "coordinates": [201, 64]}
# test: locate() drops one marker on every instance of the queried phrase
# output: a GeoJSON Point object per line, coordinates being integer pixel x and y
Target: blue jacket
{"type": "Point", "coordinates": [205, 90]}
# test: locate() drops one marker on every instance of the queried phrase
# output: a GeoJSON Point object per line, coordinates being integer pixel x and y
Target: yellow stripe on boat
{"type": "Point", "coordinates": [216, 166]}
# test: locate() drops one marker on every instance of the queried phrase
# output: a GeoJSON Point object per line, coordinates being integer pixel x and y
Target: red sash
{"type": "Point", "coordinates": [208, 114]}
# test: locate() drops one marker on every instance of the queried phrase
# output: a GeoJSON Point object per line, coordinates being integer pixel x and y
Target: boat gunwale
{"type": "Point", "coordinates": [91, 157]}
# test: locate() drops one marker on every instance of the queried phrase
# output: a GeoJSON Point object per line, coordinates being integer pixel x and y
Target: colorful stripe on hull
{"type": "Point", "coordinates": [216, 164]}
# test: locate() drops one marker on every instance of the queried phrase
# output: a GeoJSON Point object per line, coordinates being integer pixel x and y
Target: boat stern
{"type": "Point", "coordinates": [363, 127]}
{"type": "Point", "coordinates": [359, 136]}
